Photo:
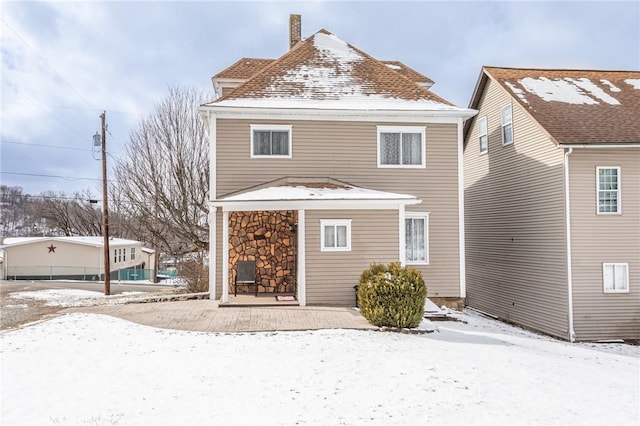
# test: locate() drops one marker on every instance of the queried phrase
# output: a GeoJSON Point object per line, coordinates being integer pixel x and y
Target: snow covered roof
{"type": "Point", "coordinates": [90, 241]}
{"type": "Point", "coordinates": [574, 106]}
{"type": "Point", "coordinates": [317, 190]}
{"type": "Point", "coordinates": [325, 72]}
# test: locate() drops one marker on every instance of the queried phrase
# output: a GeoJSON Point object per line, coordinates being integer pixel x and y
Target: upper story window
{"type": "Point", "coordinates": [608, 181]}
{"type": "Point", "coordinates": [615, 277]}
{"type": "Point", "coordinates": [416, 228]}
{"type": "Point", "coordinates": [483, 138]}
{"type": "Point", "coordinates": [335, 235]}
{"type": "Point", "coordinates": [270, 140]}
{"type": "Point", "coordinates": [507, 125]}
{"type": "Point", "coordinates": [133, 253]}
{"type": "Point", "coordinates": [401, 147]}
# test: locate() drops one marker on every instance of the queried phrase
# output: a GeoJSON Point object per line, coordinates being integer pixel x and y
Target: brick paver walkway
{"type": "Point", "coordinates": [205, 315]}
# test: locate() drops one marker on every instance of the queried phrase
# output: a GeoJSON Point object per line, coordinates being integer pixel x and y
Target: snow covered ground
{"type": "Point", "coordinates": [93, 369]}
{"type": "Point", "coordinates": [72, 297]}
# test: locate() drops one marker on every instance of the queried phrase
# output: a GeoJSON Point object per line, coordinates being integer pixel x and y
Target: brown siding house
{"type": "Point", "coordinates": [326, 160]}
{"type": "Point", "coordinates": [552, 201]}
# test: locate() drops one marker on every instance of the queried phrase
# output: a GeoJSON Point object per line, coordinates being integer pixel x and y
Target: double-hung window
{"type": "Point", "coordinates": [416, 240]}
{"type": "Point", "coordinates": [401, 146]}
{"type": "Point", "coordinates": [270, 141]}
{"type": "Point", "coordinates": [507, 125]}
{"type": "Point", "coordinates": [608, 182]}
{"type": "Point", "coordinates": [483, 138]}
{"type": "Point", "coordinates": [335, 235]}
{"type": "Point", "coordinates": [133, 253]}
{"type": "Point", "coordinates": [615, 277]}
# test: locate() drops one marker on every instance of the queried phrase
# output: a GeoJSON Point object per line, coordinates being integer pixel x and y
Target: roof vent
{"type": "Point", "coordinates": [295, 30]}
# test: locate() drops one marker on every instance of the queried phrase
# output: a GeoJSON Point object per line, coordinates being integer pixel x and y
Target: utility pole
{"type": "Point", "coordinates": [105, 209]}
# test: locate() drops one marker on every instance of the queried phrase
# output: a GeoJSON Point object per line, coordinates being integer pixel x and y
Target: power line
{"type": "Point", "coordinates": [57, 197]}
{"type": "Point", "coordinates": [50, 176]}
{"type": "Point", "coordinates": [4, 141]}
{"type": "Point", "coordinates": [45, 110]}
{"type": "Point", "coordinates": [76, 108]}
{"type": "Point", "coordinates": [45, 146]}
{"type": "Point", "coordinates": [45, 62]}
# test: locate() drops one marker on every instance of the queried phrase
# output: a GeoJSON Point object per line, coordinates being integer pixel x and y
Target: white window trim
{"type": "Point", "coordinates": [419, 215]}
{"type": "Point", "coordinates": [335, 222]}
{"type": "Point", "coordinates": [619, 211]}
{"type": "Point", "coordinates": [405, 129]}
{"type": "Point", "coordinates": [503, 124]}
{"type": "Point", "coordinates": [486, 134]}
{"type": "Point", "coordinates": [626, 278]}
{"type": "Point", "coordinates": [133, 253]}
{"type": "Point", "coordinates": [273, 127]}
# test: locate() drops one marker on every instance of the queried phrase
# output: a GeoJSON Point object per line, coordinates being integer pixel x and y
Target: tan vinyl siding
{"type": "Point", "coordinates": [330, 276]}
{"type": "Point", "coordinates": [605, 238]}
{"type": "Point", "coordinates": [348, 151]}
{"type": "Point", "coordinates": [514, 221]}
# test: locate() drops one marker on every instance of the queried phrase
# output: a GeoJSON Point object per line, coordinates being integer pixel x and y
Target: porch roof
{"type": "Point", "coordinates": [311, 193]}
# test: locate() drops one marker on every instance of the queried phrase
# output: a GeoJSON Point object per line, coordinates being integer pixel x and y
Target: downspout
{"type": "Point", "coordinates": [567, 210]}
{"type": "Point", "coordinates": [461, 236]}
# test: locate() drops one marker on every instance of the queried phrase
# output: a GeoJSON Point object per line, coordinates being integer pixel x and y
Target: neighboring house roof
{"type": "Point", "coordinates": [89, 241]}
{"type": "Point", "coordinates": [573, 106]}
{"type": "Point", "coordinates": [325, 72]}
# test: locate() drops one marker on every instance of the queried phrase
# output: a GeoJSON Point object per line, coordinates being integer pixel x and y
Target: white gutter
{"type": "Point", "coordinates": [567, 209]}
{"type": "Point", "coordinates": [599, 146]}
{"type": "Point", "coordinates": [309, 113]}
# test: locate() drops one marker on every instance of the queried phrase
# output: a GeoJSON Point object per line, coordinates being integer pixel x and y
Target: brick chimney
{"type": "Point", "coordinates": [295, 30]}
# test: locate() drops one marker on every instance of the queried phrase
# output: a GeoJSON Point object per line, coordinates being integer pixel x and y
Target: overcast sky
{"type": "Point", "coordinates": [63, 63]}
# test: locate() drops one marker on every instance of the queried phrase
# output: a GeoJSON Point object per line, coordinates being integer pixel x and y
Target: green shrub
{"type": "Point", "coordinates": [392, 295]}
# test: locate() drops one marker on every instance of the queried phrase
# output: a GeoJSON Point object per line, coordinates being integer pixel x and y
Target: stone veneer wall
{"type": "Point", "coordinates": [269, 238]}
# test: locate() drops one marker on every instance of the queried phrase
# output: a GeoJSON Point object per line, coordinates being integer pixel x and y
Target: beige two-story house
{"type": "Point", "coordinates": [326, 160]}
{"type": "Point", "coordinates": [552, 201]}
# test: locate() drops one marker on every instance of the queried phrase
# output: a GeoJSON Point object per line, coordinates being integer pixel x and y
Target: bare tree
{"type": "Point", "coordinates": [162, 182]}
{"type": "Point", "coordinates": [74, 215]}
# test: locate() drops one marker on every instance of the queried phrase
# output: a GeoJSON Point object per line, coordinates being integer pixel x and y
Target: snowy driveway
{"type": "Point", "coordinates": [93, 369]}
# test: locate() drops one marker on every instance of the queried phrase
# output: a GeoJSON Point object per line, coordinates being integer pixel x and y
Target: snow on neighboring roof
{"type": "Point", "coordinates": [568, 90]}
{"type": "Point", "coordinates": [91, 241]}
{"type": "Point", "coordinates": [325, 72]}
{"type": "Point", "coordinates": [635, 82]}
{"type": "Point", "coordinates": [289, 189]}
{"type": "Point", "coordinates": [576, 107]}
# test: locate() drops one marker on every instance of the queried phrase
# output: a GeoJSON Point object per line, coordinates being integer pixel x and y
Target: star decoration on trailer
{"type": "Point", "coordinates": [52, 248]}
